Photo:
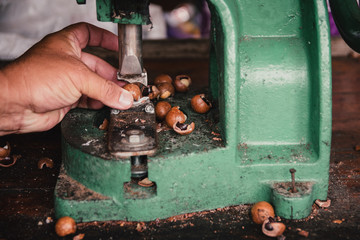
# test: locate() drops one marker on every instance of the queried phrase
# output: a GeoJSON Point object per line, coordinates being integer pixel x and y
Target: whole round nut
{"type": "Point", "coordinates": [182, 83]}
{"type": "Point", "coordinates": [272, 229]}
{"type": "Point", "coordinates": [200, 104]}
{"type": "Point", "coordinates": [262, 211]}
{"type": "Point", "coordinates": [161, 109]}
{"type": "Point", "coordinates": [166, 90]}
{"type": "Point", "coordinates": [134, 89]}
{"type": "Point", "coordinates": [65, 226]}
{"type": "Point", "coordinates": [175, 115]}
{"type": "Point", "coordinates": [162, 78]}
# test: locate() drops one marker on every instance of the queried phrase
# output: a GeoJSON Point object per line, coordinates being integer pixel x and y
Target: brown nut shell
{"type": "Point", "coordinates": [48, 162]}
{"type": "Point", "coordinates": [200, 104]}
{"type": "Point", "coordinates": [134, 89]}
{"type": "Point", "coordinates": [262, 211]}
{"type": "Point", "coordinates": [166, 90]}
{"type": "Point", "coordinates": [161, 109]}
{"type": "Point", "coordinates": [184, 129]}
{"type": "Point", "coordinates": [273, 229]}
{"type": "Point", "coordinates": [175, 115]}
{"type": "Point", "coordinates": [151, 91]}
{"type": "Point", "coordinates": [182, 83]}
{"type": "Point", "coordinates": [65, 226]}
{"type": "Point", "coordinates": [5, 150]}
{"type": "Point", "coordinates": [162, 78]}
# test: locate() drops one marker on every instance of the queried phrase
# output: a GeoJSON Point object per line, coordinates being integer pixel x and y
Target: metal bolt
{"type": "Point", "coordinates": [149, 108]}
{"type": "Point", "coordinates": [135, 136]}
{"type": "Point", "coordinates": [293, 188]}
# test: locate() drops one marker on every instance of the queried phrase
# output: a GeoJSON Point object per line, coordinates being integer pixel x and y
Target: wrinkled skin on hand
{"type": "Point", "coordinates": [54, 76]}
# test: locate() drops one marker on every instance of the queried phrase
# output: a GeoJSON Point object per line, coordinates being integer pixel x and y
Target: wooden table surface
{"type": "Point", "coordinates": [26, 192]}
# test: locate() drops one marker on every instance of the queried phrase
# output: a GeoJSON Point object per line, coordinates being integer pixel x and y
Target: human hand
{"type": "Point", "coordinates": [54, 76]}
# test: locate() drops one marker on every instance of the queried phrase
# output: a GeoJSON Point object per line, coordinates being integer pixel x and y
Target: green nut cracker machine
{"type": "Point", "coordinates": [270, 85]}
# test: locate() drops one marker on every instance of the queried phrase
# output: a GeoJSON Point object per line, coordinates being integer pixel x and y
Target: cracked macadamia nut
{"type": "Point", "coordinates": [183, 128]}
{"type": "Point", "coordinates": [161, 109]}
{"type": "Point", "coordinates": [162, 78]}
{"type": "Point", "coordinates": [262, 211]}
{"type": "Point", "coordinates": [150, 91]}
{"type": "Point", "coordinates": [175, 115]}
{"type": "Point", "coordinates": [182, 83]}
{"type": "Point", "coordinates": [166, 90]}
{"type": "Point", "coordinates": [200, 104]}
{"type": "Point", "coordinates": [65, 226]}
{"type": "Point", "coordinates": [134, 89]}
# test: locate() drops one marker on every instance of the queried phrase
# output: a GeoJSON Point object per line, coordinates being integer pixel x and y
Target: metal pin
{"type": "Point", "coordinates": [293, 188]}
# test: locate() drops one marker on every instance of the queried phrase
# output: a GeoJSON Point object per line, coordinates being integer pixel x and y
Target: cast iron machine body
{"type": "Point", "coordinates": [270, 77]}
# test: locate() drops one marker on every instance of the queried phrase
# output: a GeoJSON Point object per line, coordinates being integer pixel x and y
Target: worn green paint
{"type": "Point", "coordinates": [105, 13]}
{"type": "Point", "coordinates": [271, 78]}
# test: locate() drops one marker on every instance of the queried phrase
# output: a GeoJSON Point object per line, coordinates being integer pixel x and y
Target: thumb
{"type": "Point", "coordinates": [107, 92]}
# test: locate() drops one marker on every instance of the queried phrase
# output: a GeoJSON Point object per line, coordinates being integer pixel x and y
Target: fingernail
{"type": "Point", "coordinates": [126, 99]}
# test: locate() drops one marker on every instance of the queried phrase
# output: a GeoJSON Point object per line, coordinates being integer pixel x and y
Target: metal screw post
{"type": "Point", "coordinates": [293, 188]}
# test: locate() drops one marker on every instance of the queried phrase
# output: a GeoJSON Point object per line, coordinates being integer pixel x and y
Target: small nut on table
{"type": "Point", "coordinates": [162, 78]}
{"type": "Point", "coordinates": [48, 162]}
{"type": "Point", "coordinates": [182, 83]}
{"type": "Point", "coordinates": [166, 90]}
{"type": "Point", "coordinates": [161, 109]}
{"type": "Point", "coordinates": [65, 226]}
{"type": "Point", "coordinates": [262, 211]}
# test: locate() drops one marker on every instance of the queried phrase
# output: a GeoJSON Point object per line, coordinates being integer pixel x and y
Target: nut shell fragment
{"type": "Point", "coordinates": [261, 211]}
{"type": "Point", "coordinates": [185, 130]}
{"type": "Point", "coordinates": [151, 91]}
{"type": "Point", "coordinates": [5, 150]}
{"type": "Point", "coordinates": [323, 204]}
{"type": "Point", "coordinates": [146, 183]}
{"type": "Point", "coordinates": [273, 229]}
{"type": "Point", "coordinates": [65, 226]}
{"type": "Point", "coordinates": [48, 162]}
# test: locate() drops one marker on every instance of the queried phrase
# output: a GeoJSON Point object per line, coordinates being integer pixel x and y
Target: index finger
{"type": "Point", "coordinates": [90, 35]}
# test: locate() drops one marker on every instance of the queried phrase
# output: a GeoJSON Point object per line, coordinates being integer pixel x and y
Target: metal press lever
{"type": "Point", "coordinates": [130, 54]}
{"type": "Point", "coordinates": [132, 132]}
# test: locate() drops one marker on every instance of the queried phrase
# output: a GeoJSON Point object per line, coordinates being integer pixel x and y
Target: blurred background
{"type": "Point", "coordinates": [25, 22]}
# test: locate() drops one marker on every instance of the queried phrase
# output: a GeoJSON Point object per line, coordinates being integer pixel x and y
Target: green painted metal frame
{"type": "Point", "coordinates": [270, 74]}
